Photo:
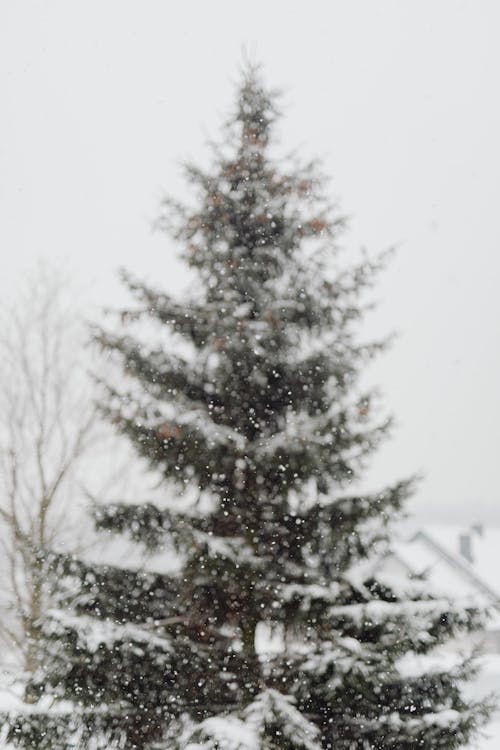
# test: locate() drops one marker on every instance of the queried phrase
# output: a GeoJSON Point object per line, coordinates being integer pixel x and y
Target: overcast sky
{"type": "Point", "coordinates": [101, 101]}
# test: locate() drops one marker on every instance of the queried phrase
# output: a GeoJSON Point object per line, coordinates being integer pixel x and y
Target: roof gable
{"type": "Point", "coordinates": [435, 551]}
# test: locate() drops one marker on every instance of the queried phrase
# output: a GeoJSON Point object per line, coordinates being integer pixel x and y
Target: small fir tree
{"type": "Point", "coordinates": [274, 633]}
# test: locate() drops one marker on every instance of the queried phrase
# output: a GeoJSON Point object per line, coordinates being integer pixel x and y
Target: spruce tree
{"type": "Point", "coordinates": [275, 633]}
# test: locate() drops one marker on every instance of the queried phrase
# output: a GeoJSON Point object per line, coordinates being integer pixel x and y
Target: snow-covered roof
{"type": "Point", "coordinates": [437, 552]}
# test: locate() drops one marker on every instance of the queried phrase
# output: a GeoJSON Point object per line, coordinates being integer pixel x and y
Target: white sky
{"type": "Point", "coordinates": [102, 99]}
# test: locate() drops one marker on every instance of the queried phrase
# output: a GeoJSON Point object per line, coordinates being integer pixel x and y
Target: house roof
{"type": "Point", "coordinates": [485, 549]}
{"type": "Point", "coordinates": [434, 552]}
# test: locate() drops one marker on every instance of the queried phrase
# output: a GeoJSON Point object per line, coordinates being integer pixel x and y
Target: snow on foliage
{"type": "Point", "coordinates": [269, 721]}
{"type": "Point", "coordinates": [276, 432]}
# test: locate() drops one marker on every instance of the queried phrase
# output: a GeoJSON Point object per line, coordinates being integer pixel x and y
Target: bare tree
{"type": "Point", "coordinates": [47, 425]}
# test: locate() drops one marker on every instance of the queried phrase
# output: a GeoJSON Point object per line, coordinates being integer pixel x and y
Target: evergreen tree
{"type": "Point", "coordinates": [274, 633]}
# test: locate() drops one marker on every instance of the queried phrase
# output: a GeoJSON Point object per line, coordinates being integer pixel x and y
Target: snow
{"type": "Point", "coordinates": [378, 611]}
{"type": "Point", "coordinates": [122, 552]}
{"type": "Point", "coordinates": [93, 632]}
{"type": "Point", "coordinates": [413, 665]}
{"type": "Point", "coordinates": [226, 733]}
{"type": "Point", "coordinates": [11, 699]}
{"type": "Point", "coordinates": [232, 548]}
{"type": "Point", "coordinates": [248, 732]}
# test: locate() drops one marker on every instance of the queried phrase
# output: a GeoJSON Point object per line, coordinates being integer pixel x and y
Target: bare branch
{"type": "Point", "coordinates": [47, 426]}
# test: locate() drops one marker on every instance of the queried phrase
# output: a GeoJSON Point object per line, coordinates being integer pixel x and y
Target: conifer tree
{"type": "Point", "coordinates": [274, 633]}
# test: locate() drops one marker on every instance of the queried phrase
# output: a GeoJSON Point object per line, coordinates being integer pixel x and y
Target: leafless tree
{"type": "Point", "coordinates": [47, 426]}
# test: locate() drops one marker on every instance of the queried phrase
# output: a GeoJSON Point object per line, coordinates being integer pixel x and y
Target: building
{"type": "Point", "coordinates": [459, 563]}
